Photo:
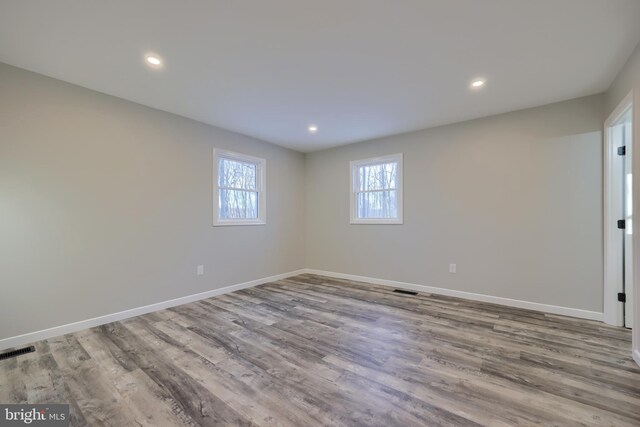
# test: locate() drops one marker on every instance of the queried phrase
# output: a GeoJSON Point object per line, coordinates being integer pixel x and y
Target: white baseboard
{"type": "Point", "coordinates": [101, 320]}
{"type": "Point", "coordinates": [553, 309]}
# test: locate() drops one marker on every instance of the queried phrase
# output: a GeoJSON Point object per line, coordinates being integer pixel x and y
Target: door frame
{"type": "Point", "coordinates": [613, 192]}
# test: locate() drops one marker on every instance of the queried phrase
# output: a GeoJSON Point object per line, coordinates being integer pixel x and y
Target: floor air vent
{"type": "Point", "coordinates": [16, 353]}
{"type": "Point", "coordinates": [402, 291]}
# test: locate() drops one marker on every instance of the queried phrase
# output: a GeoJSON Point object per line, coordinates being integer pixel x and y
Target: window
{"type": "Point", "coordinates": [239, 190]}
{"type": "Point", "coordinates": [376, 190]}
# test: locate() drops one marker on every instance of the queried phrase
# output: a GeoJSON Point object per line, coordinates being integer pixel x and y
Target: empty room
{"type": "Point", "coordinates": [319, 213]}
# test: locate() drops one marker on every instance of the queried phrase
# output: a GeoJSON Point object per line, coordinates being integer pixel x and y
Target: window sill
{"type": "Point", "coordinates": [232, 223]}
{"type": "Point", "coordinates": [377, 221]}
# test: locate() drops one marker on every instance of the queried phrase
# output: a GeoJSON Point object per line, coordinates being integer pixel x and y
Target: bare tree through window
{"type": "Point", "coordinates": [376, 186]}
{"type": "Point", "coordinates": [377, 191]}
{"type": "Point", "coordinates": [237, 184]}
{"type": "Point", "coordinates": [239, 189]}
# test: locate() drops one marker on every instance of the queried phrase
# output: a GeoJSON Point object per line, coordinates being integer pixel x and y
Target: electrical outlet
{"type": "Point", "coordinates": [452, 268]}
{"type": "Point", "coordinates": [200, 270]}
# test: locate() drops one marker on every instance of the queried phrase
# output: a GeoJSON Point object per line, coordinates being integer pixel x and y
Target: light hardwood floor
{"type": "Point", "coordinates": [311, 350]}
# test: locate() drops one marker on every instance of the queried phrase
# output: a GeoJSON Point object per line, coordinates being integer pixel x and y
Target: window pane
{"type": "Point", "coordinates": [377, 177]}
{"type": "Point", "coordinates": [237, 204]}
{"type": "Point", "coordinates": [234, 174]}
{"type": "Point", "coordinates": [377, 204]}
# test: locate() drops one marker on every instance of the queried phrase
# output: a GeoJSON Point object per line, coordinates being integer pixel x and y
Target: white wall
{"type": "Point", "coordinates": [514, 200]}
{"type": "Point", "coordinates": [106, 205]}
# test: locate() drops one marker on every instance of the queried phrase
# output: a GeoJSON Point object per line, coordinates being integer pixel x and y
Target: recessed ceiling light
{"type": "Point", "coordinates": [477, 83]}
{"type": "Point", "coordinates": [153, 60]}
{"type": "Point", "coordinates": [313, 128]}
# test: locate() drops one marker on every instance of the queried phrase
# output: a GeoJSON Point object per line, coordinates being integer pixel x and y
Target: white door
{"type": "Point", "coordinates": [628, 211]}
{"type": "Point", "coordinates": [618, 213]}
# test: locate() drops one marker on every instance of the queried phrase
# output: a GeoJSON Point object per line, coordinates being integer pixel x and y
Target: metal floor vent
{"type": "Point", "coordinates": [18, 352]}
{"type": "Point", "coordinates": [402, 291]}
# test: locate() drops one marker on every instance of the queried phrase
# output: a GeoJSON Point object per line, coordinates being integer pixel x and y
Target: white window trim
{"type": "Point", "coordinates": [353, 165]}
{"type": "Point", "coordinates": [261, 188]}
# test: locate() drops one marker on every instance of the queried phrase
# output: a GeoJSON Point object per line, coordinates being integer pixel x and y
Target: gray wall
{"type": "Point", "coordinates": [514, 200]}
{"type": "Point", "coordinates": [106, 205]}
{"type": "Point", "coordinates": [628, 78]}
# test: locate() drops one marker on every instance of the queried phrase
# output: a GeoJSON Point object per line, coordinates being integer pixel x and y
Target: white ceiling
{"type": "Point", "coordinates": [359, 69]}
